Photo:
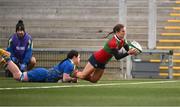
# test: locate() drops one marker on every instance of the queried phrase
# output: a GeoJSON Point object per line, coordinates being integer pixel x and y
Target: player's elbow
{"type": "Point", "coordinates": [117, 58]}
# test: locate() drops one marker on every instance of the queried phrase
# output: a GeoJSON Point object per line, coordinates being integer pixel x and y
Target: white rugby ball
{"type": "Point", "coordinates": [136, 45]}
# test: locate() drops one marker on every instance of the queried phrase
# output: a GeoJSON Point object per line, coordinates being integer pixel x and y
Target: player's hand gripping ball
{"type": "Point", "coordinates": [135, 45]}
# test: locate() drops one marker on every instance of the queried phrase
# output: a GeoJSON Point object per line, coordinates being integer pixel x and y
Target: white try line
{"type": "Point", "coordinates": [89, 85]}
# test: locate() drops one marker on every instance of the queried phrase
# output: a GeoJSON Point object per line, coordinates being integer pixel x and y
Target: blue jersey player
{"type": "Point", "coordinates": [20, 46]}
{"type": "Point", "coordinates": [61, 71]}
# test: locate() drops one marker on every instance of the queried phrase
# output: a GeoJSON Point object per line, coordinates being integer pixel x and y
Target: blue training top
{"type": "Point", "coordinates": [57, 71]}
{"type": "Point", "coordinates": [53, 74]}
{"type": "Point", "coordinates": [20, 48]}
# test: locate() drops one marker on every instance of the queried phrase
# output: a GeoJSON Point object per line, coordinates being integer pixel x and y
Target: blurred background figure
{"type": "Point", "coordinates": [20, 46]}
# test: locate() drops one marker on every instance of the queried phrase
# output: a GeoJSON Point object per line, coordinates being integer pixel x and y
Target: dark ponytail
{"type": "Point", "coordinates": [70, 55]}
{"type": "Point", "coordinates": [108, 34]}
{"type": "Point", "coordinates": [20, 21]}
{"type": "Point", "coordinates": [116, 29]}
{"type": "Point", "coordinates": [20, 26]}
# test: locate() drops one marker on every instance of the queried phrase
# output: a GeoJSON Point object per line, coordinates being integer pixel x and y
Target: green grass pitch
{"type": "Point", "coordinates": [104, 93]}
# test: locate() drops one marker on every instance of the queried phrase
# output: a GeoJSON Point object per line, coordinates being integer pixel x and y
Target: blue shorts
{"type": "Point", "coordinates": [37, 75]}
{"type": "Point", "coordinates": [95, 63]}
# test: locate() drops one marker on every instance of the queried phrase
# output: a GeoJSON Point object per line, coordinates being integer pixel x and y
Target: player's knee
{"type": "Point", "coordinates": [93, 81]}
{"type": "Point", "coordinates": [33, 60]}
{"type": "Point", "coordinates": [31, 64]}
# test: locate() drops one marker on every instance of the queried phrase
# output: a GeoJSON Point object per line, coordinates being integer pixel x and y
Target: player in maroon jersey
{"type": "Point", "coordinates": [97, 61]}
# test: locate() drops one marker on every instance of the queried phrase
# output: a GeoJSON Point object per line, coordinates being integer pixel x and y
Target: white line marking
{"type": "Point", "coordinates": [89, 85]}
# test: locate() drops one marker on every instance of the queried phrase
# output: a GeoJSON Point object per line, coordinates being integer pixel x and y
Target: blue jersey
{"type": "Point", "coordinates": [53, 74]}
{"type": "Point", "coordinates": [20, 48]}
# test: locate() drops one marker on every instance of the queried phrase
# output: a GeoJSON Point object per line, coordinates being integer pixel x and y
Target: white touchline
{"type": "Point", "coordinates": [90, 85]}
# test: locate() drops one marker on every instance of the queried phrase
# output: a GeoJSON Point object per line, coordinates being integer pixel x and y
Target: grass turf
{"type": "Point", "coordinates": [124, 94]}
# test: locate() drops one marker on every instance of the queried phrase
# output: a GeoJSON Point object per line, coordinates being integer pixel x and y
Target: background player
{"type": "Point", "coordinates": [61, 71]}
{"type": "Point", "coordinates": [20, 46]}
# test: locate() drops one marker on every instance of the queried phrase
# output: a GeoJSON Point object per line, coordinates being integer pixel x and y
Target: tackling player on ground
{"type": "Point", "coordinates": [61, 71]}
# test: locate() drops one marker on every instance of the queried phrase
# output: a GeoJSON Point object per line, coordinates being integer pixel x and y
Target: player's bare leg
{"type": "Point", "coordinates": [90, 73]}
{"type": "Point", "coordinates": [87, 71]}
{"type": "Point", "coordinates": [96, 75]}
{"type": "Point", "coordinates": [6, 62]}
{"type": "Point", "coordinates": [12, 67]}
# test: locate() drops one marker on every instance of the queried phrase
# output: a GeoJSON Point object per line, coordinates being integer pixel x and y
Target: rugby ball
{"type": "Point", "coordinates": [136, 45]}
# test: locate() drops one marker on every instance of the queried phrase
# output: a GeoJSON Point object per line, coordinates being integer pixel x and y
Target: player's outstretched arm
{"type": "Point", "coordinates": [67, 78]}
